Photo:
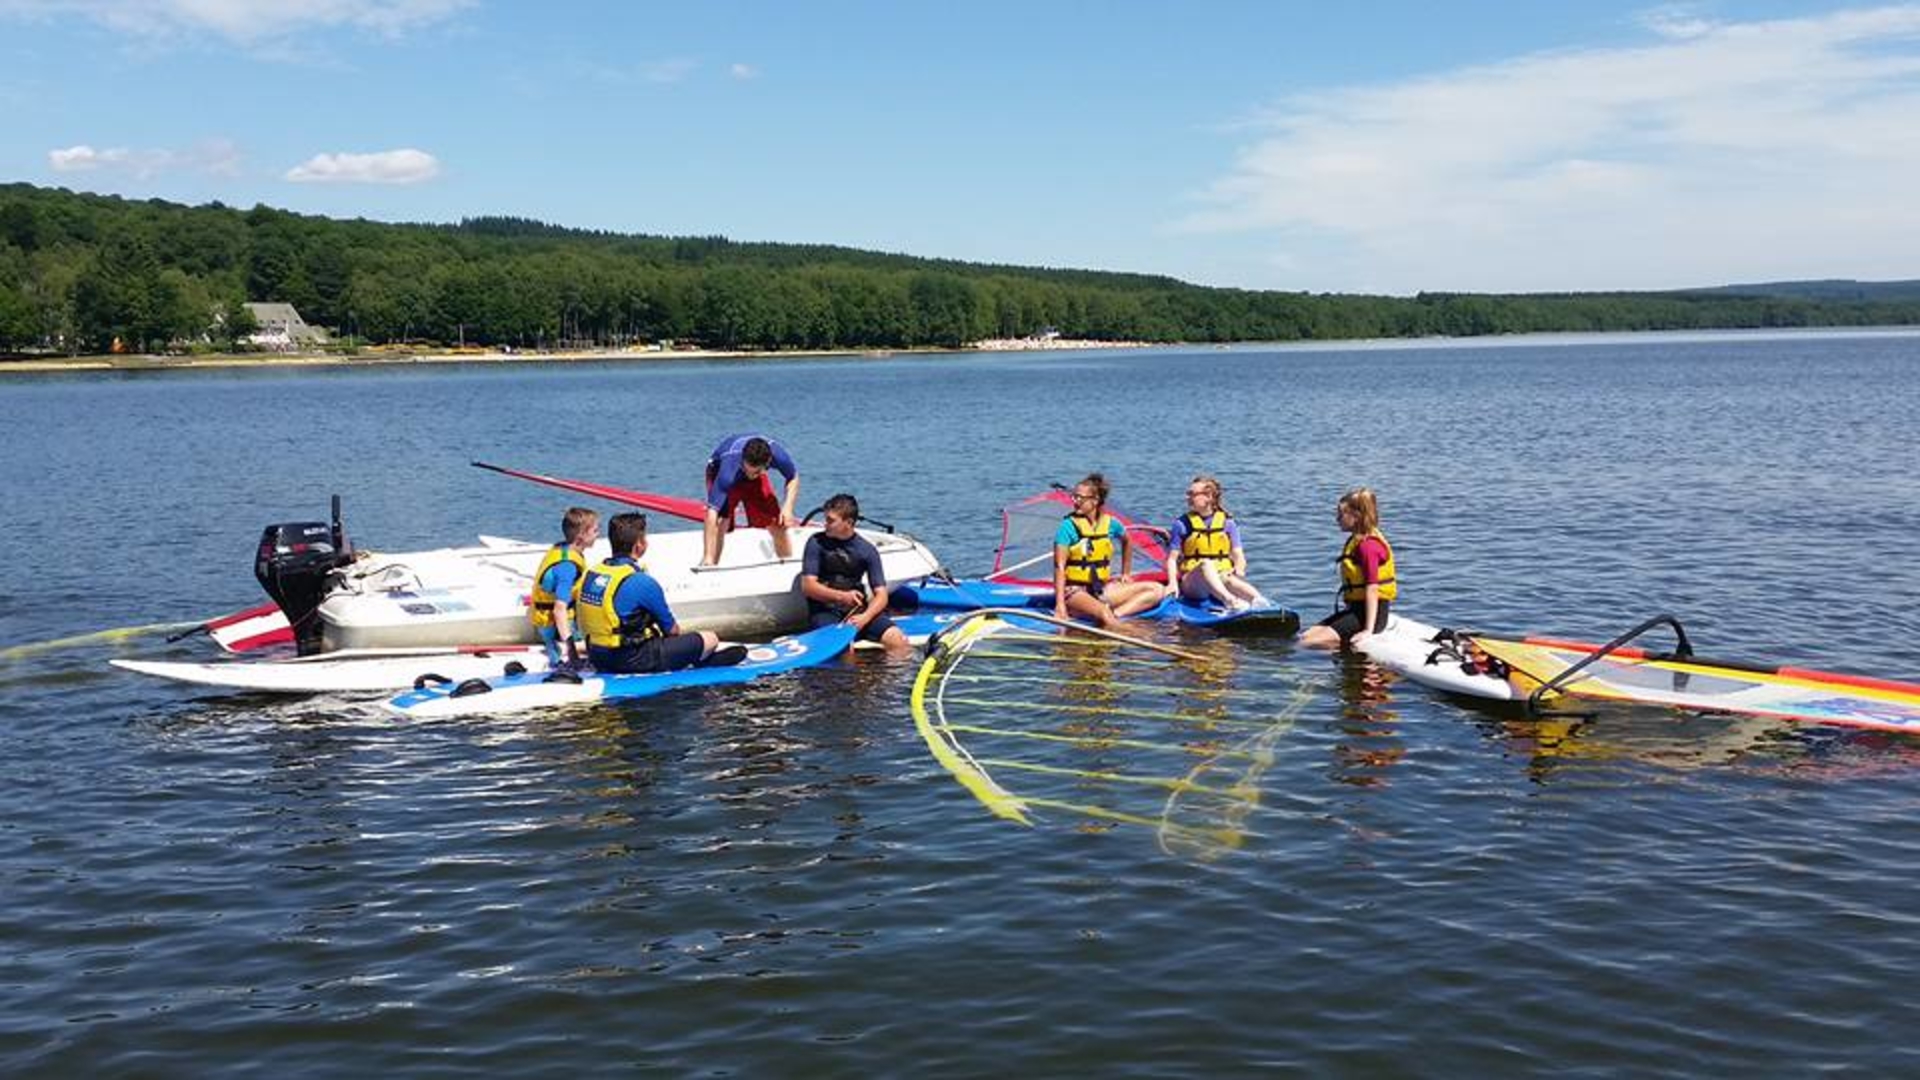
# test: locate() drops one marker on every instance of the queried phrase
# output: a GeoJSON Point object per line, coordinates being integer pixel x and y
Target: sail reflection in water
{"type": "Point", "coordinates": [1047, 721]}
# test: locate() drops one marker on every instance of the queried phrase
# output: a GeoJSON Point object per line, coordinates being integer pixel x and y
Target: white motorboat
{"type": "Point", "coordinates": [477, 596]}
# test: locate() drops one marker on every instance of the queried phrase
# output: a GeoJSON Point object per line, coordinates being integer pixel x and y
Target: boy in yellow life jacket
{"type": "Point", "coordinates": [624, 616]}
{"type": "Point", "coordinates": [556, 585]}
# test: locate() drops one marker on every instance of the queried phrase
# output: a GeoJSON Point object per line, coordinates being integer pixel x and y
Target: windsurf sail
{"type": "Point", "coordinates": [1544, 666]}
{"type": "Point", "coordinates": [1043, 720]}
{"type": "Point", "coordinates": [1027, 528]}
{"type": "Point", "coordinates": [690, 509]}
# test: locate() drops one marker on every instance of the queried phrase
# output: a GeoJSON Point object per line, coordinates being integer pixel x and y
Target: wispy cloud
{"type": "Point", "coordinates": [405, 166]}
{"type": "Point", "coordinates": [671, 70]}
{"type": "Point", "coordinates": [662, 71]}
{"type": "Point", "coordinates": [743, 71]}
{"type": "Point", "coordinates": [245, 22]}
{"type": "Point", "coordinates": [1715, 152]}
{"type": "Point", "coordinates": [218, 157]}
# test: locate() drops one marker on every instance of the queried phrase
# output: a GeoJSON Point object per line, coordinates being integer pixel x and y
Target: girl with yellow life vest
{"type": "Point", "coordinates": [556, 585]}
{"type": "Point", "coordinates": [1083, 550]}
{"type": "Point", "coordinates": [1204, 558]}
{"type": "Point", "coordinates": [1368, 580]}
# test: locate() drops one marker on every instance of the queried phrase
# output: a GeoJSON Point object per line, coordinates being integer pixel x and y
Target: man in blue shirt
{"type": "Point", "coordinates": [843, 581]}
{"type": "Point", "coordinates": [624, 614]}
{"type": "Point", "coordinates": [737, 476]}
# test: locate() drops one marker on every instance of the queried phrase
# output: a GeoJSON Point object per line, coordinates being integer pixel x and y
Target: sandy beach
{"type": "Point", "coordinates": [372, 357]}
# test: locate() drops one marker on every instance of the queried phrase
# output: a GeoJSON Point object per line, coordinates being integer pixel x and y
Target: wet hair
{"type": "Point", "coordinates": [843, 505]}
{"type": "Point", "coordinates": [1366, 512]}
{"type": "Point", "coordinates": [757, 453]}
{"type": "Point", "coordinates": [1098, 482]}
{"type": "Point", "coordinates": [577, 520]}
{"type": "Point", "coordinates": [1213, 488]}
{"type": "Point", "coordinates": [624, 531]}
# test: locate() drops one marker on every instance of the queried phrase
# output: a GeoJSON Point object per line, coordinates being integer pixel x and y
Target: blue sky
{"type": "Point", "coordinates": [1362, 147]}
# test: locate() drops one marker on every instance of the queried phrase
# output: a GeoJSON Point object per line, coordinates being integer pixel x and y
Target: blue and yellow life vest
{"type": "Point", "coordinates": [1090, 559]}
{"type": "Point", "coordinates": [1206, 541]}
{"type": "Point", "coordinates": [540, 603]}
{"type": "Point", "coordinates": [599, 622]}
{"type": "Point", "coordinates": [1353, 581]}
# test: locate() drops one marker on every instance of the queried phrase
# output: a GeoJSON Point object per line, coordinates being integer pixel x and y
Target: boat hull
{"type": "Point", "coordinates": [478, 596]}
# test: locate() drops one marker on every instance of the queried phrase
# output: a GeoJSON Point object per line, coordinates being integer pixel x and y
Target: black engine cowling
{"type": "Point", "coordinates": [293, 563]}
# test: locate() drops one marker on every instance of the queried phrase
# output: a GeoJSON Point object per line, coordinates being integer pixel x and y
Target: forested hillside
{"type": "Point", "coordinates": [78, 271]}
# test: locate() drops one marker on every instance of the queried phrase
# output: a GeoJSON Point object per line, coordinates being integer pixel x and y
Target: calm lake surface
{"type": "Point", "coordinates": [778, 879]}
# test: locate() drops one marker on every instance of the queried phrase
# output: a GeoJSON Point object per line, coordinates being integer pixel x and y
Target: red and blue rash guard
{"type": "Point", "coordinates": [725, 465]}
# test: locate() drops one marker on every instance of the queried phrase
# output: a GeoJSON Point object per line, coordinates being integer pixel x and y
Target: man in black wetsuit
{"type": "Point", "coordinates": [841, 577]}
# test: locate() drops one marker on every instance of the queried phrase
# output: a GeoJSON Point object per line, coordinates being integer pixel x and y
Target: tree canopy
{"type": "Point", "coordinates": [80, 271]}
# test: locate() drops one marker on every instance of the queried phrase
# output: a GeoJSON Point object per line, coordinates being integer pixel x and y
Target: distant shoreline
{"type": "Point", "coordinates": [154, 362]}
{"type": "Point", "coordinates": [389, 358]}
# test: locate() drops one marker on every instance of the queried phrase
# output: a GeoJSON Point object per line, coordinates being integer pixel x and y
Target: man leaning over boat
{"type": "Point", "coordinates": [737, 476]}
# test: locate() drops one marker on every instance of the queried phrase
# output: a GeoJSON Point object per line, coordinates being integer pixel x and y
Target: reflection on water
{"type": "Point", "coordinates": [1369, 728]}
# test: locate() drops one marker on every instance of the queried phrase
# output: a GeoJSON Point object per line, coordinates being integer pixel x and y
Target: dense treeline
{"type": "Point", "coordinates": [79, 271]}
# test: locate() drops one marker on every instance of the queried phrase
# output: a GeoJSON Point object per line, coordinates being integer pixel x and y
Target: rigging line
{"type": "Point", "coordinates": [996, 654]}
{"type": "Point", "coordinates": [1176, 784]}
{"type": "Point", "coordinates": [966, 755]}
{"type": "Point", "coordinates": [1094, 743]}
{"type": "Point", "coordinates": [1144, 688]}
{"type": "Point", "coordinates": [1014, 633]}
{"type": "Point", "coordinates": [1106, 711]}
{"type": "Point", "coordinates": [1029, 614]}
{"type": "Point", "coordinates": [1259, 750]}
{"type": "Point", "coordinates": [1223, 836]}
{"type": "Point", "coordinates": [955, 759]}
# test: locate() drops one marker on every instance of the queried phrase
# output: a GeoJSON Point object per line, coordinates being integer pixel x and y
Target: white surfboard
{"type": "Point", "coordinates": [345, 673]}
{"type": "Point", "coordinates": [1414, 649]}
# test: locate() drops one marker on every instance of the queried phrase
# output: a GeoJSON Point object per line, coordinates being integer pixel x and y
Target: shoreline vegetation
{"type": "Point", "coordinates": [105, 282]}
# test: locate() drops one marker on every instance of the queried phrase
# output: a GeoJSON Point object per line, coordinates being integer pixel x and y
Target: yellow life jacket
{"type": "Point", "coordinates": [540, 604]}
{"type": "Point", "coordinates": [1090, 559]}
{"type": "Point", "coordinates": [1353, 581]}
{"type": "Point", "coordinates": [1206, 541]}
{"type": "Point", "coordinates": [599, 623]}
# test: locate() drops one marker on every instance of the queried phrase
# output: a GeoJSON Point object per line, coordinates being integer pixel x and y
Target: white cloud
{"type": "Point", "coordinates": [219, 157]}
{"type": "Point", "coordinates": [667, 71]}
{"type": "Point", "coordinates": [406, 166]}
{"type": "Point", "coordinates": [244, 22]}
{"type": "Point", "coordinates": [1720, 153]}
{"type": "Point", "coordinates": [85, 158]}
{"type": "Point", "coordinates": [743, 71]}
{"type": "Point", "coordinates": [1676, 21]}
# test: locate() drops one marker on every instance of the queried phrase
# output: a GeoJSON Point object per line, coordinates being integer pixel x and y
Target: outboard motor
{"type": "Point", "coordinates": [293, 564]}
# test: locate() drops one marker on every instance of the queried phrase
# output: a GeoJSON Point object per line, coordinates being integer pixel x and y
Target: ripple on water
{"type": "Point", "coordinates": [779, 880]}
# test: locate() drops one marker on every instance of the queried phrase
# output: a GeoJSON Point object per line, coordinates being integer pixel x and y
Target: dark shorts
{"type": "Point", "coordinates": [648, 657]}
{"type": "Point", "coordinates": [1346, 621]}
{"type": "Point", "coordinates": [1095, 589]}
{"type": "Point", "coordinates": [873, 631]}
{"type": "Point", "coordinates": [754, 496]}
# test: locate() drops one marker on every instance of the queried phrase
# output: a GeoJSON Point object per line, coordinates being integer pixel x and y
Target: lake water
{"type": "Point", "coordinates": [778, 879]}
